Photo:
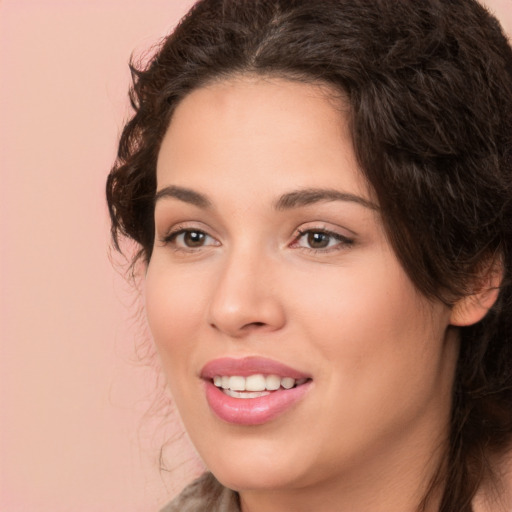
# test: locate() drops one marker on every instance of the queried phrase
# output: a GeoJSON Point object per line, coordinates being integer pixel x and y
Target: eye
{"type": "Point", "coordinates": [188, 238]}
{"type": "Point", "coordinates": [321, 240]}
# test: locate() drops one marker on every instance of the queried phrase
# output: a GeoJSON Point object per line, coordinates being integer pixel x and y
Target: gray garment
{"type": "Point", "coordinates": [205, 494]}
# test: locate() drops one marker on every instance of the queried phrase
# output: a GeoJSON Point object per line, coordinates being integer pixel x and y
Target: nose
{"type": "Point", "coordinates": [247, 298]}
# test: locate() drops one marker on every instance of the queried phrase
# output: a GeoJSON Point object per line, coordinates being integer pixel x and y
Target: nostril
{"type": "Point", "coordinates": [254, 325]}
{"type": "Point", "coordinates": [246, 326]}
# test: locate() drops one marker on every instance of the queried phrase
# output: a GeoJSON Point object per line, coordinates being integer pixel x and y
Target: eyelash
{"type": "Point", "coordinates": [170, 238]}
{"type": "Point", "coordinates": [343, 241]}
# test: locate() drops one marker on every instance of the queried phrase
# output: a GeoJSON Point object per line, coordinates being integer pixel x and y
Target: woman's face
{"type": "Point", "coordinates": [271, 264]}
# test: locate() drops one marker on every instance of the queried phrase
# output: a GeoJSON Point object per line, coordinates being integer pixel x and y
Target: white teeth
{"type": "Point", "coordinates": [237, 383]}
{"type": "Point", "coordinates": [254, 384]}
{"type": "Point", "coordinates": [287, 382]}
{"type": "Point", "coordinates": [272, 382]}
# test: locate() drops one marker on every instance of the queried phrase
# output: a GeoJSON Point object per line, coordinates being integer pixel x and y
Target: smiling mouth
{"type": "Point", "coordinates": [254, 386]}
{"type": "Point", "coordinates": [253, 390]}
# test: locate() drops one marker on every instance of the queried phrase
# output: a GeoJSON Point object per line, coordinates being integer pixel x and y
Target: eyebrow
{"type": "Point", "coordinates": [308, 196]}
{"type": "Point", "coordinates": [288, 201]}
{"type": "Point", "coordinates": [186, 195]}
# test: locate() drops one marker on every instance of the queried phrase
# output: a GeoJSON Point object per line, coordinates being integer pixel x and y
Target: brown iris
{"type": "Point", "coordinates": [193, 238]}
{"type": "Point", "coordinates": [318, 240]}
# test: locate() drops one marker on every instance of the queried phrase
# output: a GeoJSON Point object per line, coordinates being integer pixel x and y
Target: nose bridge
{"type": "Point", "coordinates": [246, 297]}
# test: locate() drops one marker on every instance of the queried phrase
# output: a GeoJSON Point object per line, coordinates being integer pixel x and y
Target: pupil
{"type": "Point", "coordinates": [194, 238]}
{"type": "Point", "coordinates": [318, 240]}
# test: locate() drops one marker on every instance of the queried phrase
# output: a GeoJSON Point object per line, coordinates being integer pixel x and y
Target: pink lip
{"type": "Point", "coordinates": [249, 366]}
{"type": "Point", "coordinates": [251, 411]}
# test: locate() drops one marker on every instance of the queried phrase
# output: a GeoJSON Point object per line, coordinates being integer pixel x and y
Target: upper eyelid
{"type": "Point", "coordinates": [328, 231]}
{"type": "Point", "coordinates": [170, 239]}
{"type": "Point", "coordinates": [189, 225]}
{"type": "Point", "coordinates": [334, 234]}
{"type": "Point", "coordinates": [335, 230]}
{"type": "Point", "coordinates": [174, 232]}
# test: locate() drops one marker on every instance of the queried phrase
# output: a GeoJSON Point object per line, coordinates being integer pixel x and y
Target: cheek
{"type": "Point", "coordinates": [174, 309]}
{"type": "Point", "coordinates": [382, 350]}
{"type": "Point", "coordinates": [355, 306]}
{"type": "Point", "coordinates": [175, 305]}
{"type": "Point", "coordinates": [374, 327]}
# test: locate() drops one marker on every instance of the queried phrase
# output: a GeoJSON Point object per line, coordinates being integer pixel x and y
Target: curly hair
{"type": "Point", "coordinates": [429, 89]}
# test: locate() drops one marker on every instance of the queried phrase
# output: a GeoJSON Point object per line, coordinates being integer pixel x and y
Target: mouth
{"type": "Point", "coordinates": [252, 391]}
{"type": "Point", "coordinates": [254, 386]}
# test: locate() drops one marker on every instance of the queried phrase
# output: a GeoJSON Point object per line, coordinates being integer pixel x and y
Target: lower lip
{"type": "Point", "coordinates": [253, 411]}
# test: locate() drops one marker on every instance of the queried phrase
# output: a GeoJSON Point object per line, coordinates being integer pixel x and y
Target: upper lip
{"type": "Point", "coordinates": [246, 366]}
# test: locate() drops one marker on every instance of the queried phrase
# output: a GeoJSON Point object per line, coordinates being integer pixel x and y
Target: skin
{"type": "Point", "coordinates": [370, 432]}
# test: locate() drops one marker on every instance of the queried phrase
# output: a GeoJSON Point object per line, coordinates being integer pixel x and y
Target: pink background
{"type": "Point", "coordinates": [74, 433]}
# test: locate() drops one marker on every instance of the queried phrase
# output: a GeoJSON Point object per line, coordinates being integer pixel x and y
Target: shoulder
{"type": "Point", "coordinates": [204, 494]}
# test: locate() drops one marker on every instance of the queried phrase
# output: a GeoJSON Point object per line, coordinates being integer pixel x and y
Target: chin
{"type": "Point", "coordinates": [257, 468]}
{"type": "Point", "coordinates": [252, 477]}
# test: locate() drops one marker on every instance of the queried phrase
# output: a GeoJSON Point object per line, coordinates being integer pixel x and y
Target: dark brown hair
{"type": "Point", "coordinates": [429, 87]}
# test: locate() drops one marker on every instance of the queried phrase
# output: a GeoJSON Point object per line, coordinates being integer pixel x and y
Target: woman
{"type": "Point", "coordinates": [321, 193]}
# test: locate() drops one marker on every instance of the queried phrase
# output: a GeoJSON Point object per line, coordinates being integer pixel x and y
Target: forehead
{"type": "Point", "coordinates": [246, 128]}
